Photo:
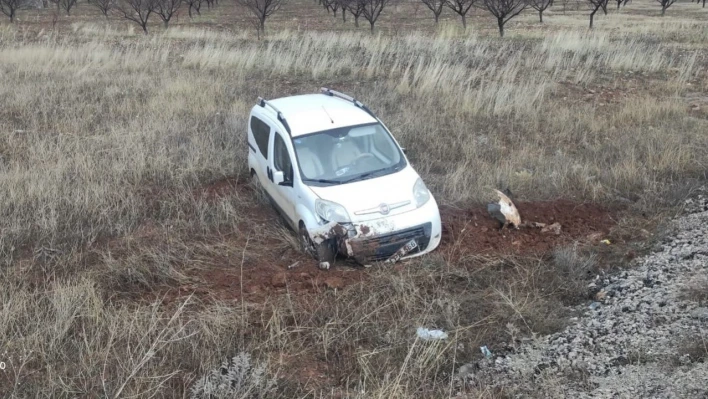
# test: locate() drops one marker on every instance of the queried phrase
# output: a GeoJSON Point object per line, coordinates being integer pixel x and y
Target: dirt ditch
{"type": "Point", "coordinates": [269, 267]}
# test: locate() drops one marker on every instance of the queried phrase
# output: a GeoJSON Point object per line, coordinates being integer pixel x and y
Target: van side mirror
{"type": "Point", "coordinates": [405, 151]}
{"type": "Point", "coordinates": [279, 179]}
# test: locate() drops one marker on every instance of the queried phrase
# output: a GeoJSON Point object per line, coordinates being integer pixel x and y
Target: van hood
{"type": "Point", "coordinates": [363, 199]}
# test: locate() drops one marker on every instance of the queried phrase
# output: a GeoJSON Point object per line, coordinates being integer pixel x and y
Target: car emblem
{"type": "Point", "coordinates": [384, 209]}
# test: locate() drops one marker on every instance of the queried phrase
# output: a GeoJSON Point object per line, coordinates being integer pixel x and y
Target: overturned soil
{"type": "Point", "coordinates": [265, 266]}
{"type": "Point", "coordinates": [473, 231]}
{"type": "Point", "coordinates": [253, 265]}
{"type": "Point", "coordinates": [263, 277]}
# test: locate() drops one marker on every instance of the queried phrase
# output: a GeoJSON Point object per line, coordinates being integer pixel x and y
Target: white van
{"type": "Point", "coordinates": [340, 179]}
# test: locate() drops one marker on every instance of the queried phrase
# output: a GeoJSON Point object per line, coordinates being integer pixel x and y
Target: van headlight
{"type": "Point", "coordinates": [331, 211]}
{"type": "Point", "coordinates": [420, 193]}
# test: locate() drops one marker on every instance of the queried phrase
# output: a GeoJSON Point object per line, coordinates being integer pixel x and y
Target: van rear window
{"type": "Point", "coordinates": [261, 132]}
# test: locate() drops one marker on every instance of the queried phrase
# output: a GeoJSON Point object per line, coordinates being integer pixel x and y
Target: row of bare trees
{"type": "Point", "coordinates": [140, 11]}
{"type": "Point", "coordinates": [65, 5]}
{"type": "Point", "coordinates": [502, 10]}
{"type": "Point", "coordinates": [369, 9]}
{"type": "Point", "coordinates": [505, 10]}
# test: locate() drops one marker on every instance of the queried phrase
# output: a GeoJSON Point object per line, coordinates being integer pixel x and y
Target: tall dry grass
{"type": "Point", "coordinates": [88, 124]}
{"type": "Point", "coordinates": [103, 132]}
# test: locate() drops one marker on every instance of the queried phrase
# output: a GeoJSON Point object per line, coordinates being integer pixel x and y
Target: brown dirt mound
{"type": "Point", "coordinates": [473, 231]}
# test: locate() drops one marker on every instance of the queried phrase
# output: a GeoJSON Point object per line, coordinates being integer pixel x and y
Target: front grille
{"type": "Point", "coordinates": [382, 247]}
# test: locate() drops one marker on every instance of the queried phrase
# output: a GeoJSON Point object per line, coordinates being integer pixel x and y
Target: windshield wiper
{"type": "Point", "coordinates": [384, 171]}
{"type": "Point", "coordinates": [325, 181]}
{"type": "Point", "coordinates": [362, 176]}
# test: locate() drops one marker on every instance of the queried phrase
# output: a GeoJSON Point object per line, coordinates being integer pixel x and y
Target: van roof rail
{"type": "Point", "coordinates": [345, 97]}
{"type": "Point", "coordinates": [262, 102]}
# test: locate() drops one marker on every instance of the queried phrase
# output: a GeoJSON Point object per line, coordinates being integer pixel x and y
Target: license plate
{"type": "Point", "coordinates": [410, 245]}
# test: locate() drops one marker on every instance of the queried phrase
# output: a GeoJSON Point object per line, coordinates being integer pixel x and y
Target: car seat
{"type": "Point", "coordinates": [344, 153]}
{"type": "Point", "coordinates": [309, 163]}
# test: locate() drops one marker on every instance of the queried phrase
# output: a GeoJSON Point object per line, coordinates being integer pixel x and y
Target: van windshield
{"type": "Point", "coordinates": [347, 154]}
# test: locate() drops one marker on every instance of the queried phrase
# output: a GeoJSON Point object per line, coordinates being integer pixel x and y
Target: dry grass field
{"type": "Point", "coordinates": [135, 259]}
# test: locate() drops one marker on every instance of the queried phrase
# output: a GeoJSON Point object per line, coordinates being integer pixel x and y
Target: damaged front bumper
{"type": "Point", "coordinates": [388, 238]}
{"type": "Point", "coordinates": [376, 242]}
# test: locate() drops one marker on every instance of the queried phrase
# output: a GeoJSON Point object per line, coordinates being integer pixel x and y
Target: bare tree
{"type": "Point", "coordinates": [331, 5]}
{"type": "Point", "coordinates": [664, 5]}
{"type": "Point", "coordinates": [436, 6]}
{"type": "Point", "coordinates": [105, 6]}
{"type": "Point", "coordinates": [138, 11]}
{"type": "Point", "coordinates": [166, 9]}
{"type": "Point", "coordinates": [504, 10]}
{"type": "Point", "coordinates": [540, 6]}
{"type": "Point", "coordinates": [594, 6]}
{"type": "Point", "coordinates": [343, 5]}
{"type": "Point", "coordinates": [195, 5]}
{"type": "Point", "coordinates": [356, 8]}
{"type": "Point", "coordinates": [10, 8]}
{"type": "Point", "coordinates": [260, 10]}
{"type": "Point", "coordinates": [371, 10]}
{"type": "Point", "coordinates": [460, 7]}
{"type": "Point", "coordinates": [65, 5]}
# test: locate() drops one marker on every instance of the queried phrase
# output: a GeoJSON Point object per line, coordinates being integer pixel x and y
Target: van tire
{"type": "Point", "coordinates": [324, 253]}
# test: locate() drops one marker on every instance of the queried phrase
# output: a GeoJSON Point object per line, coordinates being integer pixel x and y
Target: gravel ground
{"type": "Point", "coordinates": [646, 335]}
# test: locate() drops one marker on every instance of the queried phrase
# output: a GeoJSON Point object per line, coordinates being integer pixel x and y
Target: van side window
{"type": "Point", "coordinates": [261, 132]}
{"type": "Point", "coordinates": [281, 158]}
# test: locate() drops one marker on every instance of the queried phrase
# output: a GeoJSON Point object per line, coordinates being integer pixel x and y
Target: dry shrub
{"type": "Point", "coordinates": [237, 378]}
{"type": "Point", "coordinates": [142, 270]}
{"type": "Point", "coordinates": [696, 290]}
{"type": "Point", "coordinates": [106, 348]}
{"type": "Point", "coordinates": [693, 349]}
{"type": "Point", "coordinates": [573, 269]}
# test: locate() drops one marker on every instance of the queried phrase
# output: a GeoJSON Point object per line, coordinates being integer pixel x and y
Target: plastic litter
{"type": "Point", "coordinates": [486, 352]}
{"type": "Point", "coordinates": [594, 305]}
{"type": "Point", "coordinates": [429, 335]}
{"type": "Point", "coordinates": [606, 241]}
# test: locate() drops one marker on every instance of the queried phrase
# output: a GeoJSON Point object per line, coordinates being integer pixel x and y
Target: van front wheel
{"type": "Point", "coordinates": [324, 252]}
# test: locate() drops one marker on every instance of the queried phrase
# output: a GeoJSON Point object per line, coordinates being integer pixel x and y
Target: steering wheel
{"type": "Point", "coordinates": [362, 156]}
{"type": "Point", "coordinates": [354, 163]}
